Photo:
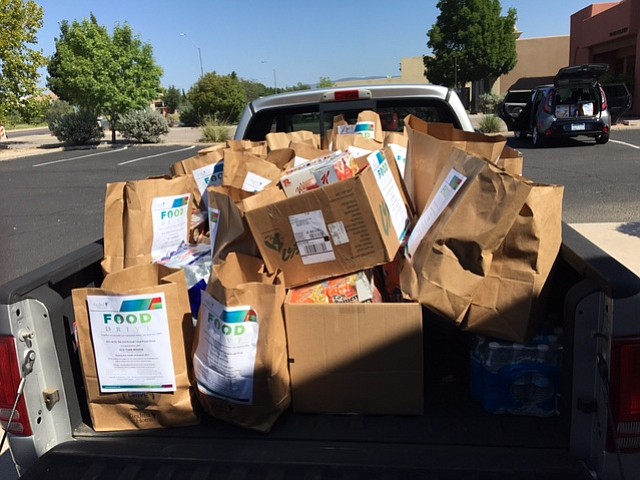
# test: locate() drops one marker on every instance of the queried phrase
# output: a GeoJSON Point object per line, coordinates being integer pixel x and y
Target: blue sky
{"type": "Point", "coordinates": [298, 41]}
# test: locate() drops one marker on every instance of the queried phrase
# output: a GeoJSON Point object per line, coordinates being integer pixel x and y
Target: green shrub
{"type": "Point", "coordinates": [188, 115]}
{"type": "Point", "coordinates": [489, 102]}
{"type": "Point", "coordinates": [76, 127]}
{"type": "Point", "coordinates": [215, 131]}
{"type": "Point", "coordinates": [57, 110]}
{"type": "Point", "coordinates": [173, 119]}
{"type": "Point", "coordinates": [144, 126]}
{"type": "Point", "coordinates": [490, 124]}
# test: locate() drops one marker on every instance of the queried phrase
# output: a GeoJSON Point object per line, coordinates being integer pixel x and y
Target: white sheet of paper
{"type": "Point", "coordinates": [449, 188]}
{"type": "Point", "coordinates": [132, 343]}
{"type": "Point", "coordinates": [225, 357]}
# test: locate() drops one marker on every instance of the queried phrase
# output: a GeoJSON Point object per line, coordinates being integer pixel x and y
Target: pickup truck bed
{"type": "Point", "coordinates": [455, 438]}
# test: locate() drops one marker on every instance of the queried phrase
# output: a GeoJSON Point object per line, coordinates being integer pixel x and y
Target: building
{"type": "Point", "coordinates": [610, 33]}
{"type": "Point", "coordinates": [539, 59]}
{"type": "Point", "coordinates": [600, 33]}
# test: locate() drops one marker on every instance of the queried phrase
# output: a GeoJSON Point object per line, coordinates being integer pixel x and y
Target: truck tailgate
{"type": "Point", "coordinates": [222, 459]}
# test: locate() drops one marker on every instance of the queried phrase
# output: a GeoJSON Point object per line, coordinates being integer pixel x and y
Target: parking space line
{"type": "Point", "coordinates": [625, 143]}
{"type": "Point", "coordinates": [62, 160]}
{"type": "Point", "coordinates": [156, 155]}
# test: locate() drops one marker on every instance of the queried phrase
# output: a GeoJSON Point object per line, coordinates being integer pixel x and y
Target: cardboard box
{"type": "Point", "coordinates": [356, 358]}
{"type": "Point", "coordinates": [338, 229]}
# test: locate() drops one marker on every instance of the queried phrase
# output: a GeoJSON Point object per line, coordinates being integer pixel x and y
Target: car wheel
{"type": "Point", "coordinates": [537, 138]}
{"type": "Point", "coordinates": [602, 138]}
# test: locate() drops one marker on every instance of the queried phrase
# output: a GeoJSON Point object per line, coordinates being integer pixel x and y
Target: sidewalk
{"type": "Point", "coordinates": [37, 144]}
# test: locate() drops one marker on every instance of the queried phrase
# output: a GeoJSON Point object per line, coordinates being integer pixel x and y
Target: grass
{"type": "Point", "coordinates": [490, 124]}
{"type": "Point", "coordinates": [215, 131]}
{"type": "Point", "coordinates": [24, 126]}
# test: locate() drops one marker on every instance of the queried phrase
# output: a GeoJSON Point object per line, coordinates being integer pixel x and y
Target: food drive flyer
{"type": "Point", "coordinates": [131, 342]}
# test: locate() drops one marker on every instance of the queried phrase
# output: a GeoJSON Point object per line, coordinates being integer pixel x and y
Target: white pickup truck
{"type": "Point", "coordinates": [596, 433]}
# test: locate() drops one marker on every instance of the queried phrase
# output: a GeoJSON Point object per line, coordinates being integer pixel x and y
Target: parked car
{"type": "Point", "coordinates": [575, 105]}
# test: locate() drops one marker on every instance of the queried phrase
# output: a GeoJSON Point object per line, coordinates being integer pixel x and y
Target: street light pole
{"type": "Point", "coordinates": [182, 34]}
{"type": "Point", "coordinates": [275, 82]}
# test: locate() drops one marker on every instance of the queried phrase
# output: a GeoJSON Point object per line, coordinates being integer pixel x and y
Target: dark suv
{"type": "Point", "coordinates": [575, 105]}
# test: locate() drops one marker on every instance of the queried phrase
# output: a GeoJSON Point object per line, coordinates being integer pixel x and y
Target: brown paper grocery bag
{"type": "Point", "coordinates": [449, 257]}
{"type": "Point", "coordinates": [139, 408]}
{"type": "Point", "coordinates": [240, 351]}
{"type": "Point", "coordinates": [247, 171]}
{"type": "Point", "coordinates": [114, 208]}
{"type": "Point", "coordinates": [369, 126]}
{"type": "Point", "coordinates": [154, 217]}
{"type": "Point", "coordinates": [277, 140]}
{"type": "Point", "coordinates": [344, 141]}
{"type": "Point", "coordinates": [428, 151]}
{"type": "Point", "coordinates": [511, 160]}
{"type": "Point", "coordinates": [510, 301]}
{"type": "Point", "coordinates": [258, 149]}
{"type": "Point", "coordinates": [206, 168]}
{"type": "Point", "coordinates": [228, 229]}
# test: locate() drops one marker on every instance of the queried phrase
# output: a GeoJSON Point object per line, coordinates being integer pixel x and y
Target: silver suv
{"type": "Point", "coordinates": [575, 105]}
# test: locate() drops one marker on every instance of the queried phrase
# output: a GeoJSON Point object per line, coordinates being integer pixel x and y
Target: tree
{"type": "Point", "coordinates": [19, 63]}
{"type": "Point", "coordinates": [471, 41]}
{"type": "Point", "coordinates": [325, 82]}
{"type": "Point", "coordinates": [255, 89]}
{"type": "Point", "coordinates": [105, 74]}
{"type": "Point", "coordinates": [297, 87]}
{"type": "Point", "coordinates": [172, 98]}
{"type": "Point", "coordinates": [219, 97]}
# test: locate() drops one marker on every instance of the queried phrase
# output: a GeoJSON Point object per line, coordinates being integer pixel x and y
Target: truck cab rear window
{"type": "Point", "coordinates": [310, 118]}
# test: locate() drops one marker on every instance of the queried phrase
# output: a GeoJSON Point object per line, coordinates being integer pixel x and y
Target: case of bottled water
{"type": "Point", "coordinates": [521, 379]}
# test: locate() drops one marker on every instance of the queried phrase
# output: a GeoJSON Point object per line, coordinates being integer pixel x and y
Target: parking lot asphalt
{"type": "Point", "coordinates": [38, 143]}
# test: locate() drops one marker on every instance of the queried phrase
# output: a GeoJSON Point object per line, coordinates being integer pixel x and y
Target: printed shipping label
{"type": "Point", "coordinates": [226, 353]}
{"type": "Point", "coordinates": [170, 217]}
{"type": "Point", "coordinates": [448, 190]}
{"type": "Point", "coordinates": [338, 233]}
{"type": "Point", "coordinates": [312, 237]}
{"type": "Point", "coordinates": [390, 192]}
{"type": "Point", "coordinates": [132, 343]}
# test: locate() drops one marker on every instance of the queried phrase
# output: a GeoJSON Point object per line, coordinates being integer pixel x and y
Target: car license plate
{"type": "Point", "coordinates": [577, 127]}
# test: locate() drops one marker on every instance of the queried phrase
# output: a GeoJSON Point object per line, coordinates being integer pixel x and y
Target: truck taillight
{"type": "Point", "coordinates": [624, 392]}
{"type": "Point", "coordinates": [10, 378]}
{"type": "Point", "coordinates": [603, 105]}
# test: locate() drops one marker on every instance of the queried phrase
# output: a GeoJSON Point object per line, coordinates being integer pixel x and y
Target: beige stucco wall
{"type": "Point", "coordinates": [537, 57]}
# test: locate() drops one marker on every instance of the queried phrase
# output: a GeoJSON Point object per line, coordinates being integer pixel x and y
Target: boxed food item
{"type": "Point", "coordinates": [356, 358]}
{"type": "Point", "coordinates": [357, 287]}
{"type": "Point", "coordinates": [338, 229]}
{"type": "Point", "coordinates": [320, 171]}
